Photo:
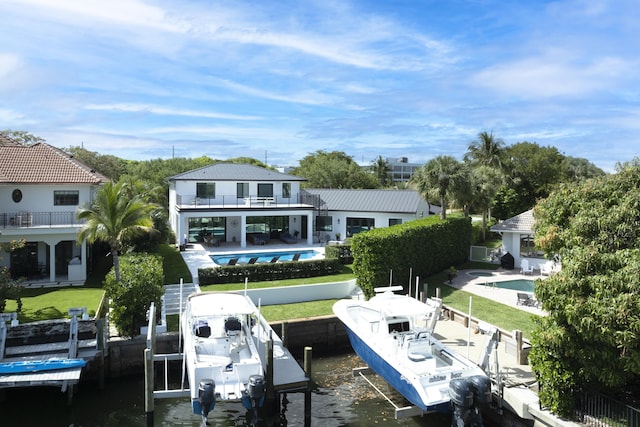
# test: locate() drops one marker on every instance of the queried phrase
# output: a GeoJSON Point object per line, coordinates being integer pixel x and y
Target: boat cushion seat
{"type": "Point", "coordinates": [418, 357]}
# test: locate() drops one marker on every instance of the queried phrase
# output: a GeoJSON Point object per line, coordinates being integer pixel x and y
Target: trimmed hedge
{"type": "Point", "coordinates": [342, 252]}
{"type": "Point", "coordinates": [422, 247]}
{"type": "Point", "coordinates": [269, 271]}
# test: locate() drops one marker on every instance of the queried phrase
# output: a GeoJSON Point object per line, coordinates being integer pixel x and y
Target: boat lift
{"type": "Point", "coordinates": [291, 379]}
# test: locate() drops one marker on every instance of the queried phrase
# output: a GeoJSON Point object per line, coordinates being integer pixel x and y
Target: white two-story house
{"type": "Point", "coordinates": [40, 189]}
{"type": "Point", "coordinates": [246, 204]}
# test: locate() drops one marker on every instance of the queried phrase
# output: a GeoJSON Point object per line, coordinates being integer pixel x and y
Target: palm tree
{"type": "Point", "coordinates": [441, 178]}
{"type": "Point", "coordinates": [114, 213]}
{"type": "Point", "coordinates": [486, 150]}
{"type": "Point", "coordinates": [382, 169]}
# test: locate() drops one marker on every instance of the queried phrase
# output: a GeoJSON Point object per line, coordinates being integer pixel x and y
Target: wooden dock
{"type": "Point", "coordinates": [74, 338]}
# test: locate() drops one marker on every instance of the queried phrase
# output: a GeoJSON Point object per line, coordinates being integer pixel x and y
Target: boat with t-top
{"type": "Point", "coordinates": [393, 335]}
{"type": "Point", "coordinates": [222, 359]}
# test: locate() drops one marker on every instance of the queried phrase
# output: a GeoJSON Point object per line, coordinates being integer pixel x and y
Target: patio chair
{"type": "Point", "coordinates": [526, 299]}
{"type": "Point", "coordinates": [525, 267]}
{"type": "Point", "coordinates": [546, 269]}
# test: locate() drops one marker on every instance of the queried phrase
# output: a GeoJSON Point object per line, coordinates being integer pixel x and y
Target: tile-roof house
{"type": "Point", "coordinates": [40, 188]}
{"type": "Point", "coordinates": [239, 203]}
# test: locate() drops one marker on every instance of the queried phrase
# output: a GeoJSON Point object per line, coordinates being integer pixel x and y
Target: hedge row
{"type": "Point", "coordinates": [342, 252]}
{"type": "Point", "coordinates": [422, 248]}
{"type": "Point", "coordinates": [269, 271]}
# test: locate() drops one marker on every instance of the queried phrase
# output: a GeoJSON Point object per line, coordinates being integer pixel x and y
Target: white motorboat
{"type": "Point", "coordinates": [393, 335]}
{"type": "Point", "coordinates": [222, 359]}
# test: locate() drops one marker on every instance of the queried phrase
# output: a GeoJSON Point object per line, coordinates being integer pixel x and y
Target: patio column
{"type": "Point", "coordinates": [310, 229]}
{"type": "Point", "coordinates": [243, 231]}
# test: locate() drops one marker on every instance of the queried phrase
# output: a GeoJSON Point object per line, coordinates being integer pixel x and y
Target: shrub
{"type": "Point", "coordinates": [342, 252]}
{"type": "Point", "coordinates": [422, 247]}
{"type": "Point", "coordinates": [141, 280]}
{"type": "Point", "coordinates": [268, 271]}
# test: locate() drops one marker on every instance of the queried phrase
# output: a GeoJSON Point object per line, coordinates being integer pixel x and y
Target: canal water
{"type": "Point", "coordinates": [338, 399]}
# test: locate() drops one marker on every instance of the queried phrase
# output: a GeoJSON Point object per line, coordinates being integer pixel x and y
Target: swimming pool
{"type": "Point", "coordinates": [522, 285]}
{"type": "Point", "coordinates": [244, 257]}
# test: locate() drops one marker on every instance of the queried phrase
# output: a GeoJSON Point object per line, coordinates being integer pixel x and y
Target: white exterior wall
{"type": "Point", "coordinates": [38, 199]}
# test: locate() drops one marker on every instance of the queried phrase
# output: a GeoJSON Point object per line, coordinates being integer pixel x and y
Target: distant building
{"type": "Point", "coordinates": [401, 169]}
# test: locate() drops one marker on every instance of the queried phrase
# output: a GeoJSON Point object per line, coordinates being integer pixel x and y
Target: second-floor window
{"type": "Point", "coordinates": [66, 198]}
{"type": "Point", "coordinates": [206, 190]}
{"type": "Point", "coordinates": [242, 190]}
{"type": "Point", "coordinates": [286, 190]}
{"type": "Point", "coordinates": [265, 190]}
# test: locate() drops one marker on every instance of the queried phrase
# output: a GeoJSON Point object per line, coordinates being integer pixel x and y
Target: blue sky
{"type": "Point", "coordinates": [277, 80]}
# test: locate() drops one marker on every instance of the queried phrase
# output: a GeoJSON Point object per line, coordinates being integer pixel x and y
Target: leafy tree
{"type": "Point", "coordinates": [110, 166]}
{"type": "Point", "coordinates": [115, 213]}
{"type": "Point", "coordinates": [22, 137]}
{"type": "Point", "coordinates": [131, 296]}
{"type": "Point", "coordinates": [590, 339]}
{"type": "Point", "coordinates": [382, 171]}
{"type": "Point", "coordinates": [9, 287]}
{"type": "Point", "coordinates": [333, 170]}
{"type": "Point", "coordinates": [576, 169]}
{"type": "Point", "coordinates": [532, 172]}
{"type": "Point", "coordinates": [442, 178]}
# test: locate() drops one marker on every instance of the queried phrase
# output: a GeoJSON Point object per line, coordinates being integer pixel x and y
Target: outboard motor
{"type": "Point", "coordinates": [206, 397]}
{"type": "Point", "coordinates": [461, 394]}
{"type": "Point", "coordinates": [257, 390]}
{"type": "Point", "coordinates": [481, 398]}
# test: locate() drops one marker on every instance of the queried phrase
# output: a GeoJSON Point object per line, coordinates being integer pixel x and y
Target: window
{"type": "Point", "coordinates": [16, 195]}
{"type": "Point", "coordinates": [66, 198]}
{"type": "Point", "coordinates": [324, 223]}
{"type": "Point", "coordinates": [356, 225]}
{"type": "Point", "coordinates": [206, 190]}
{"type": "Point", "coordinates": [265, 190]}
{"type": "Point", "coordinates": [394, 221]}
{"type": "Point", "coordinates": [286, 190]}
{"type": "Point", "coordinates": [242, 190]}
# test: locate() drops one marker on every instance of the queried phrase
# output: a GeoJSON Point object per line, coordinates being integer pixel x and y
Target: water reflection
{"type": "Point", "coordinates": [338, 399]}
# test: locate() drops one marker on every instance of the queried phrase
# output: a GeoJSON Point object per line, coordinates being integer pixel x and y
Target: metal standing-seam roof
{"type": "Point", "coordinates": [522, 223]}
{"type": "Point", "coordinates": [234, 172]}
{"type": "Point", "coordinates": [356, 200]}
{"type": "Point", "coordinates": [42, 163]}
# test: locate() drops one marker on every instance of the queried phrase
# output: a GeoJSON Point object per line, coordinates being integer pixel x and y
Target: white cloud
{"type": "Point", "coordinates": [144, 108]}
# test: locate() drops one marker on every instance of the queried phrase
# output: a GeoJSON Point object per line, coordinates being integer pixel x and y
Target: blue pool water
{"type": "Point", "coordinates": [244, 258]}
{"type": "Point", "coordinates": [522, 285]}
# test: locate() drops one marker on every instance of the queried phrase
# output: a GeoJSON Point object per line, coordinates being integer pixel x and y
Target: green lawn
{"type": "Point", "coordinates": [51, 303]}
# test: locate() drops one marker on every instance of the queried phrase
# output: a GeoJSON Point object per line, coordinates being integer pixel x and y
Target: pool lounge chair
{"type": "Point", "coordinates": [275, 258]}
{"type": "Point", "coordinates": [296, 257]}
{"type": "Point", "coordinates": [233, 261]}
{"type": "Point", "coordinates": [253, 260]}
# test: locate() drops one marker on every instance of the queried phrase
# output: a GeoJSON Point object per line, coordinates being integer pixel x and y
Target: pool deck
{"type": "Point", "coordinates": [483, 286]}
{"type": "Point", "coordinates": [197, 255]}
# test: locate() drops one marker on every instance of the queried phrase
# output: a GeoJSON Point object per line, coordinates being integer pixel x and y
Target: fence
{"type": "Point", "coordinates": [598, 410]}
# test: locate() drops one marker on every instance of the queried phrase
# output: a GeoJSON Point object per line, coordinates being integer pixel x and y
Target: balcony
{"type": "Point", "coordinates": [300, 200]}
{"type": "Point", "coordinates": [25, 219]}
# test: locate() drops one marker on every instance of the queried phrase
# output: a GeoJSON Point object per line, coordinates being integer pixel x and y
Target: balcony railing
{"type": "Point", "coordinates": [249, 202]}
{"type": "Point", "coordinates": [26, 219]}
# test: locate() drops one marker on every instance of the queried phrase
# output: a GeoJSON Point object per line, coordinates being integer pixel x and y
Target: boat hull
{"type": "Point", "coordinates": [391, 375]}
{"type": "Point", "coordinates": [23, 367]}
